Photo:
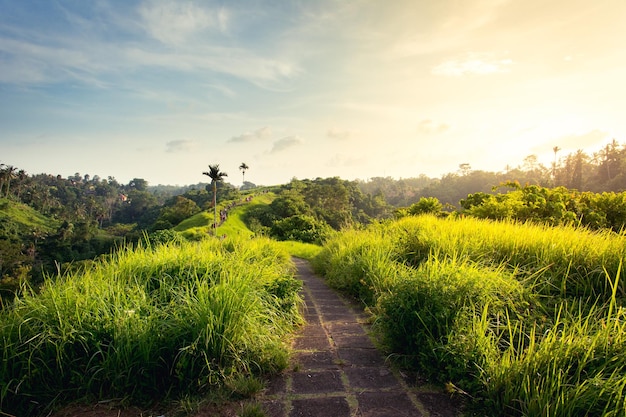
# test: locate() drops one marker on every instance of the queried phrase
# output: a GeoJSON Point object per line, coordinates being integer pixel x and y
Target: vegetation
{"type": "Point", "coordinates": [554, 206]}
{"type": "Point", "coordinates": [150, 322]}
{"type": "Point", "coordinates": [520, 319]}
{"type": "Point", "coordinates": [602, 171]}
{"type": "Point", "coordinates": [243, 168]}
{"type": "Point", "coordinates": [216, 176]}
{"type": "Point", "coordinates": [508, 287]}
{"type": "Point", "coordinates": [310, 210]}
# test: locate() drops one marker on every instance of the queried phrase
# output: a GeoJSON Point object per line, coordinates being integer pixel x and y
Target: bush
{"type": "Point", "coordinates": [302, 228]}
{"type": "Point", "coordinates": [424, 315]}
{"type": "Point", "coordinates": [146, 324]}
{"type": "Point", "coordinates": [426, 205]}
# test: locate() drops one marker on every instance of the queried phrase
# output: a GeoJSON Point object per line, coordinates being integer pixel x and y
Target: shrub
{"type": "Point", "coordinates": [302, 228]}
{"type": "Point", "coordinates": [145, 324]}
{"type": "Point", "coordinates": [425, 316]}
{"type": "Point", "coordinates": [430, 205]}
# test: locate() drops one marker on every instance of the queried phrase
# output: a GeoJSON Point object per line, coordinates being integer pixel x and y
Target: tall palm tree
{"type": "Point", "coordinates": [8, 173]}
{"type": "Point", "coordinates": [243, 167]}
{"type": "Point", "coordinates": [216, 175]}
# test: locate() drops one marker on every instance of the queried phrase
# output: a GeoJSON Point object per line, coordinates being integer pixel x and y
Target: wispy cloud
{"type": "Point", "coordinates": [179, 146]}
{"type": "Point", "coordinates": [286, 143]}
{"type": "Point", "coordinates": [259, 134]}
{"type": "Point", "coordinates": [190, 38]}
{"type": "Point", "coordinates": [175, 22]}
{"type": "Point", "coordinates": [473, 64]}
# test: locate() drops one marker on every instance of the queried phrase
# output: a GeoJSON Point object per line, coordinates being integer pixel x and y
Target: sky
{"type": "Point", "coordinates": [160, 89]}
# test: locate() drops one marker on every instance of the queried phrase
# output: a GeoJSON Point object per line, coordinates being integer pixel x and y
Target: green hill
{"type": "Point", "coordinates": [200, 224]}
{"type": "Point", "coordinates": [18, 220]}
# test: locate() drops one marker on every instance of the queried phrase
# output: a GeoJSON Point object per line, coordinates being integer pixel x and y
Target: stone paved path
{"type": "Point", "coordinates": [337, 372]}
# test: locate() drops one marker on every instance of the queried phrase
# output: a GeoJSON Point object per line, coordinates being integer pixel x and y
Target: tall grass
{"type": "Point", "coordinates": [564, 261]}
{"type": "Point", "coordinates": [524, 320]}
{"type": "Point", "coordinates": [577, 367]}
{"type": "Point", "coordinates": [150, 322]}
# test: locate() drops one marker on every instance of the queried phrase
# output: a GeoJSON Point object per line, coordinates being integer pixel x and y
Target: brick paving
{"type": "Point", "coordinates": [338, 372]}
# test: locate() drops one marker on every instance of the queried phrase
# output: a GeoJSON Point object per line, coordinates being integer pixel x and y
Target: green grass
{"type": "Point", "coordinates": [147, 324]}
{"type": "Point", "coordinates": [198, 226]}
{"type": "Point", "coordinates": [24, 219]}
{"type": "Point", "coordinates": [300, 250]}
{"type": "Point", "coordinates": [521, 319]}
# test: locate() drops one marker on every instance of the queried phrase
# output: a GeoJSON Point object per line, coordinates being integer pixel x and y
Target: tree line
{"type": "Point", "coordinates": [601, 171]}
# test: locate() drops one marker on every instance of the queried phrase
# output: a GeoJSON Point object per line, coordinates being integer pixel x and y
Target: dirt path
{"type": "Point", "coordinates": [338, 372]}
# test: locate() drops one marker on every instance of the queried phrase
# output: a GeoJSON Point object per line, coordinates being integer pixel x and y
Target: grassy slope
{"type": "Point", "coordinates": [149, 323]}
{"type": "Point", "coordinates": [23, 219]}
{"type": "Point", "coordinates": [234, 226]}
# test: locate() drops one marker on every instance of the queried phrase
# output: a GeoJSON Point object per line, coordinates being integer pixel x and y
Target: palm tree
{"type": "Point", "coordinates": [216, 175]}
{"type": "Point", "coordinates": [8, 173]}
{"type": "Point", "coordinates": [243, 167]}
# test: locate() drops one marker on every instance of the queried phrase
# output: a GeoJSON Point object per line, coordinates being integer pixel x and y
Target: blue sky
{"type": "Point", "coordinates": [160, 89]}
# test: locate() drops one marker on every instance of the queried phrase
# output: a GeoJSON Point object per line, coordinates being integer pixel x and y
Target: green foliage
{"type": "Point", "coordinates": [161, 237]}
{"type": "Point", "coordinates": [17, 219]}
{"type": "Point", "coordinates": [426, 205]}
{"type": "Point", "coordinates": [289, 203]}
{"type": "Point", "coordinates": [172, 215]}
{"type": "Point", "coordinates": [558, 261]}
{"type": "Point", "coordinates": [424, 315]}
{"type": "Point", "coordinates": [300, 249]}
{"type": "Point", "coordinates": [145, 324]}
{"type": "Point", "coordinates": [577, 367]}
{"type": "Point", "coordinates": [304, 210]}
{"type": "Point", "coordinates": [554, 206]}
{"type": "Point", "coordinates": [360, 263]}
{"type": "Point", "coordinates": [301, 228]}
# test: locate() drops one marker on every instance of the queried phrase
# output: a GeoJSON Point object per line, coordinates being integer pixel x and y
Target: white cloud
{"type": "Point", "coordinates": [174, 22]}
{"type": "Point", "coordinates": [35, 56]}
{"type": "Point", "coordinates": [259, 134]}
{"type": "Point", "coordinates": [286, 143]}
{"type": "Point", "coordinates": [479, 64]}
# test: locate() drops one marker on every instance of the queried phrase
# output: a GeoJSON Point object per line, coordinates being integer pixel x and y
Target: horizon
{"type": "Point", "coordinates": [160, 89]}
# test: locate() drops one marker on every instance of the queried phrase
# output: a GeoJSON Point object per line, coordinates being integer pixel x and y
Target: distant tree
{"type": "Point", "coordinates": [21, 177]}
{"type": "Point", "coordinates": [425, 205]}
{"type": "Point", "coordinates": [138, 184]}
{"type": "Point", "coordinates": [175, 212]}
{"type": "Point", "coordinates": [465, 169]}
{"type": "Point", "coordinates": [556, 149]}
{"type": "Point", "coordinates": [216, 176]}
{"type": "Point", "coordinates": [247, 185]}
{"type": "Point", "coordinates": [8, 173]}
{"type": "Point", "coordinates": [302, 228]}
{"type": "Point", "coordinates": [243, 167]}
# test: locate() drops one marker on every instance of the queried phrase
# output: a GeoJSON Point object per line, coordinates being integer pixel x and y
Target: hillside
{"type": "Point", "coordinates": [17, 219]}
{"type": "Point", "coordinates": [200, 223]}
